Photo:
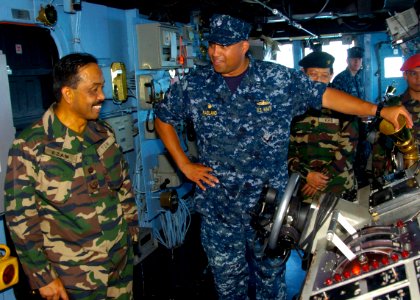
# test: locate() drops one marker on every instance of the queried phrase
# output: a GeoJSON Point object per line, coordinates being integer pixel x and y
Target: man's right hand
{"type": "Point", "coordinates": [199, 174]}
{"type": "Point", "coordinates": [317, 180]}
{"type": "Point", "coordinates": [308, 190]}
{"type": "Point", "coordinates": [54, 291]}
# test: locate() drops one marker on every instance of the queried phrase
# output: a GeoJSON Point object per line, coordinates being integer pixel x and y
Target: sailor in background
{"type": "Point", "coordinates": [384, 150]}
{"type": "Point", "coordinates": [351, 81]}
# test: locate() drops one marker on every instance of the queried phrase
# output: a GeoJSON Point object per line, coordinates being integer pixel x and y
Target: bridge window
{"type": "Point", "coordinates": [285, 55]}
{"type": "Point", "coordinates": [390, 63]}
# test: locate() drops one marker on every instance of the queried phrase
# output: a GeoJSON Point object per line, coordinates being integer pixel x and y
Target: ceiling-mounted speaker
{"type": "Point", "coordinates": [47, 15]}
{"type": "Point", "coordinates": [403, 25]}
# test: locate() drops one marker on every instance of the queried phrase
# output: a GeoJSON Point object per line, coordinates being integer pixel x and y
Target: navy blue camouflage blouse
{"type": "Point", "coordinates": [243, 135]}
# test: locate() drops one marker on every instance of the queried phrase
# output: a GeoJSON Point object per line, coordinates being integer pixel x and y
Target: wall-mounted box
{"type": "Point", "coordinates": [157, 46]}
{"type": "Point", "coordinates": [123, 129]}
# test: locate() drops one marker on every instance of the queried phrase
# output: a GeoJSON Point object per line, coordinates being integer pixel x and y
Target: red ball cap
{"type": "Point", "coordinates": [411, 63]}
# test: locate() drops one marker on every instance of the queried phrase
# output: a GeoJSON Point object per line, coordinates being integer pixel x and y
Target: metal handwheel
{"type": "Point", "coordinates": [281, 210]}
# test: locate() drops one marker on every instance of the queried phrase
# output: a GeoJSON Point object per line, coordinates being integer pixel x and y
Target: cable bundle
{"type": "Point", "coordinates": [174, 226]}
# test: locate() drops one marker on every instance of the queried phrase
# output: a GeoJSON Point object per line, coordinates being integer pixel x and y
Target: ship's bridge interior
{"type": "Point", "coordinates": [365, 248]}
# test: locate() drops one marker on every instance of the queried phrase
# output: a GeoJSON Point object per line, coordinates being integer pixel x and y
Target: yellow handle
{"type": "Point", "coordinates": [6, 252]}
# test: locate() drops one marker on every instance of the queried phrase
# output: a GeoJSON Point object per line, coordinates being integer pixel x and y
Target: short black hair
{"type": "Point", "coordinates": [65, 72]}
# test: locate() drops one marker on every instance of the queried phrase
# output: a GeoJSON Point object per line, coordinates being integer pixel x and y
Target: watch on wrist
{"type": "Point", "coordinates": [379, 109]}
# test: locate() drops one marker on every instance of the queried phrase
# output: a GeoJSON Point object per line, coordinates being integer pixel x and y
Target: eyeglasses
{"type": "Point", "coordinates": [412, 73]}
{"type": "Point", "coordinates": [319, 76]}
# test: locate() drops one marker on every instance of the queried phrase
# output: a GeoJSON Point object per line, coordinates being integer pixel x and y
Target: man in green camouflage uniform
{"type": "Point", "coordinates": [323, 142]}
{"type": "Point", "coordinates": [68, 196]}
{"type": "Point", "coordinates": [384, 149]}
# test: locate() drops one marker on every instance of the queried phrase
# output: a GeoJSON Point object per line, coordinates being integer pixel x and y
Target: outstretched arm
{"type": "Point", "coordinates": [195, 172]}
{"type": "Point", "coordinates": [348, 104]}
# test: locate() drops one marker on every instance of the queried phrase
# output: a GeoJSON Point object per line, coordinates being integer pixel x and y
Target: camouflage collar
{"type": "Point", "coordinates": [358, 73]}
{"type": "Point", "coordinates": [95, 130]}
{"type": "Point", "coordinates": [53, 128]}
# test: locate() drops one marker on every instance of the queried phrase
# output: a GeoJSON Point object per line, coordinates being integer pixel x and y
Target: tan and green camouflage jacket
{"type": "Point", "coordinates": [324, 141]}
{"type": "Point", "coordinates": [68, 201]}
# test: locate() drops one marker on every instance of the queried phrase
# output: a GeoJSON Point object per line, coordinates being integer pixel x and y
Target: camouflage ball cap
{"type": "Point", "coordinates": [226, 30]}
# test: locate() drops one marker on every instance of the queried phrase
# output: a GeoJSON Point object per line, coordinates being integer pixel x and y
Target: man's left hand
{"type": "Point", "coordinates": [54, 291]}
{"type": "Point", "coordinates": [391, 114]}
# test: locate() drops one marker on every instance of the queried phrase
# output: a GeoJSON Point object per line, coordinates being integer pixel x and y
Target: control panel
{"type": "Point", "coordinates": [386, 265]}
{"type": "Point", "coordinates": [157, 46]}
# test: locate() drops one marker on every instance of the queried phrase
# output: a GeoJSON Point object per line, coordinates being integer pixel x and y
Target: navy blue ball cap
{"type": "Point", "coordinates": [355, 52]}
{"type": "Point", "coordinates": [226, 30]}
{"type": "Point", "coordinates": [317, 59]}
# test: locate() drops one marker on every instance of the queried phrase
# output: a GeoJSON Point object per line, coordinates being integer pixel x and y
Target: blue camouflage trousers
{"type": "Point", "coordinates": [238, 272]}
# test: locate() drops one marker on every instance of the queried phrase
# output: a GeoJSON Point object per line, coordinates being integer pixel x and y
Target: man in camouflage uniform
{"type": "Point", "coordinates": [68, 198]}
{"type": "Point", "coordinates": [241, 109]}
{"type": "Point", "coordinates": [351, 81]}
{"type": "Point", "coordinates": [384, 148]}
{"type": "Point", "coordinates": [323, 143]}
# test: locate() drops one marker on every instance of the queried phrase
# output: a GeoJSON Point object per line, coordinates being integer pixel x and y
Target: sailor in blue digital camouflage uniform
{"type": "Point", "coordinates": [351, 81]}
{"type": "Point", "coordinates": [241, 109]}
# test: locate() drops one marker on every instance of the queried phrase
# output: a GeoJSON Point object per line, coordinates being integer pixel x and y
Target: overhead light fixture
{"type": "Point", "coordinates": [308, 37]}
{"type": "Point", "coordinates": [324, 15]}
{"type": "Point", "coordinates": [282, 18]}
